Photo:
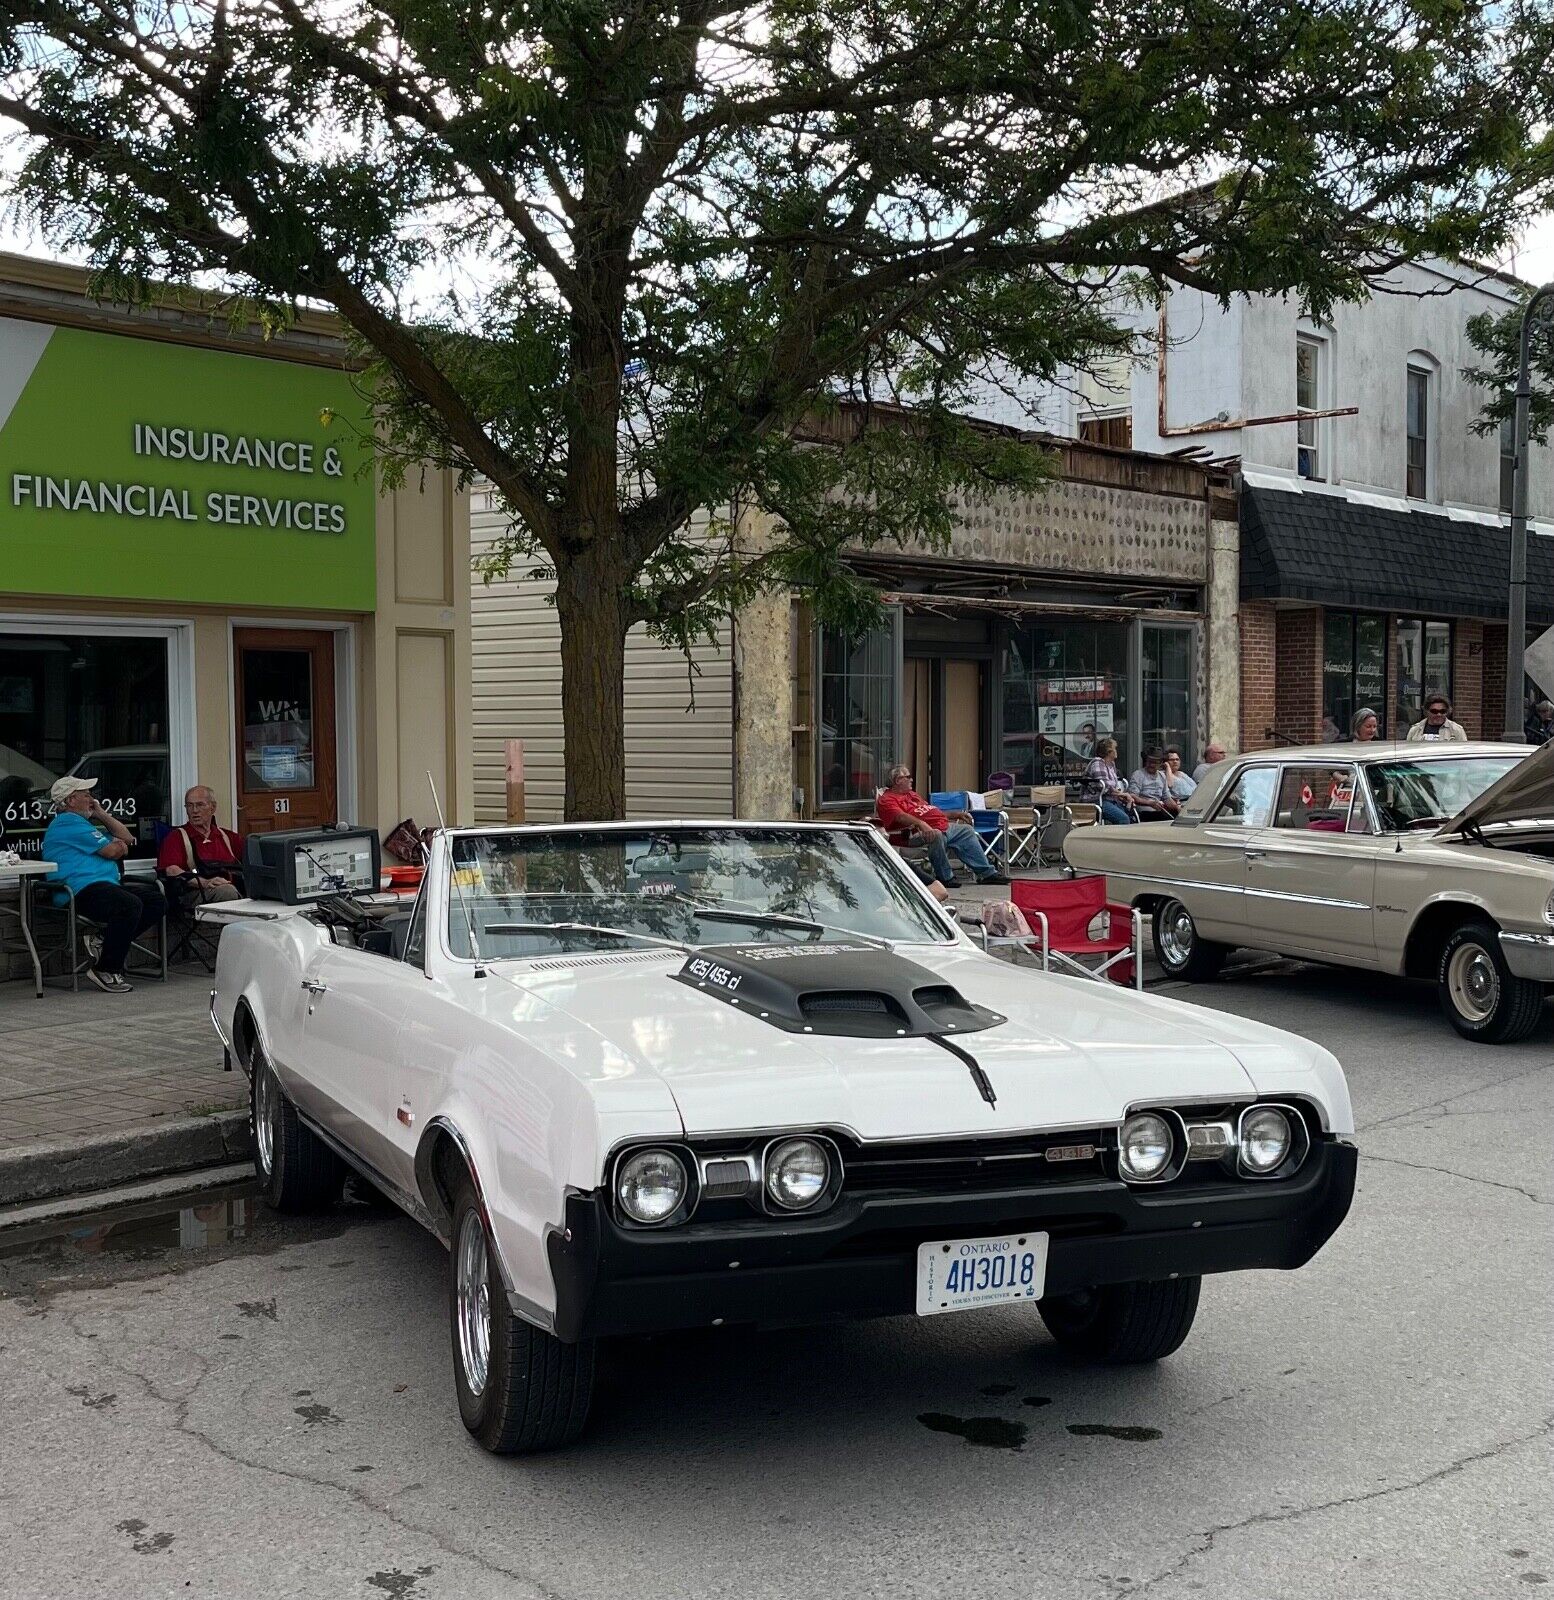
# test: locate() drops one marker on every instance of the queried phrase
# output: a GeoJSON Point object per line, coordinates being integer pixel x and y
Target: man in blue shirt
{"type": "Point", "coordinates": [87, 843]}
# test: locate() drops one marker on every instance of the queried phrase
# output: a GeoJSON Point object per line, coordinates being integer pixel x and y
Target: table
{"type": "Point", "coordinates": [248, 910]}
{"type": "Point", "coordinates": [15, 877]}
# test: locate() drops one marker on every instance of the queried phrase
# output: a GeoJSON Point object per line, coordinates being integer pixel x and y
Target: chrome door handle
{"type": "Point", "coordinates": [315, 988]}
{"type": "Point", "coordinates": [1255, 855]}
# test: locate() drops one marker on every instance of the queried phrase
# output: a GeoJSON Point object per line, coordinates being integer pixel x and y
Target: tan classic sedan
{"type": "Point", "coordinates": [1433, 861]}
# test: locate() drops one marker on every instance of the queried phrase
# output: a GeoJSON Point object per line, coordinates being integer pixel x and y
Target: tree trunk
{"type": "Point", "coordinates": [590, 596]}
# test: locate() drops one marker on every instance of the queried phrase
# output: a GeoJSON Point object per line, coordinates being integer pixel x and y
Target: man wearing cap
{"type": "Point", "coordinates": [87, 844]}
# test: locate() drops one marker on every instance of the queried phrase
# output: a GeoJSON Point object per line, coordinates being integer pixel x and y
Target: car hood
{"type": "Point", "coordinates": [1070, 1052]}
{"type": "Point", "coordinates": [1524, 795]}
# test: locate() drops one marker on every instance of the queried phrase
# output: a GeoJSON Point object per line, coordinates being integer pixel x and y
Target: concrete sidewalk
{"type": "Point", "coordinates": [96, 1089]}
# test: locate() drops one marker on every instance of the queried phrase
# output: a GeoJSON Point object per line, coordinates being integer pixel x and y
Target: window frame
{"type": "Point", "coordinates": [1359, 785]}
{"type": "Point", "coordinates": [1315, 428]}
{"type": "Point", "coordinates": [1346, 732]}
{"type": "Point", "coordinates": [1218, 813]}
{"type": "Point", "coordinates": [1424, 368]}
{"type": "Point", "coordinates": [1507, 461]}
{"type": "Point", "coordinates": [1398, 621]}
{"type": "Point", "coordinates": [863, 804]}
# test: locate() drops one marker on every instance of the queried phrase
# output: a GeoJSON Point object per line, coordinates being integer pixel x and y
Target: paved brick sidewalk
{"type": "Point", "coordinates": [91, 1064]}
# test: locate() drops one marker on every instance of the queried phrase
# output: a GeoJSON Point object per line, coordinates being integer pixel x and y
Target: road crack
{"type": "Point", "coordinates": [1205, 1542]}
{"type": "Point", "coordinates": [1465, 1177]}
{"type": "Point", "coordinates": [1452, 1099]}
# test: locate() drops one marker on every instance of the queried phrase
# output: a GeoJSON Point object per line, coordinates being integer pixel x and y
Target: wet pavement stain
{"type": "Point", "coordinates": [317, 1416]}
{"type": "Point", "coordinates": [361, 1469]}
{"type": "Point", "coordinates": [1037, 1400]}
{"type": "Point", "coordinates": [258, 1308]}
{"type": "Point", "coordinates": [141, 1542]}
{"type": "Point", "coordinates": [144, 1231]}
{"type": "Point", "coordinates": [993, 1390]}
{"type": "Point", "coordinates": [997, 1433]}
{"type": "Point", "coordinates": [395, 1582]}
{"type": "Point", "coordinates": [1102, 1430]}
{"type": "Point", "coordinates": [92, 1402]}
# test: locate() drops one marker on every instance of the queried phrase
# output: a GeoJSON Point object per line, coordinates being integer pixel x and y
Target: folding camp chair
{"type": "Point", "coordinates": [1061, 913]}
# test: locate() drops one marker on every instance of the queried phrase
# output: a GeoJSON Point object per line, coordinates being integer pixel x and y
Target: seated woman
{"type": "Point", "coordinates": [200, 861]}
{"type": "Point", "coordinates": [1104, 784]}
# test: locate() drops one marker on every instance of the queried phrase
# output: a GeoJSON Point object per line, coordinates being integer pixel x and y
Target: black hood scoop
{"type": "Point", "coordinates": [857, 991]}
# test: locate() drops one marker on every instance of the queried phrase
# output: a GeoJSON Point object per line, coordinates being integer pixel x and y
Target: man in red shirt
{"type": "Point", "coordinates": [201, 858]}
{"type": "Point", "coordinates": [900, 806]}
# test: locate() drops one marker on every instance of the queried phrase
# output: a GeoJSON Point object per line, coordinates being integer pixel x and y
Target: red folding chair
{"type": "Point", "coordinates": [1062, 911]}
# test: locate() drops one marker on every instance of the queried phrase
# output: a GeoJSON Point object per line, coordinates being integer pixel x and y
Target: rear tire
{"type": "Point", "coordinates": [298, 1171]}
{"type": "Point", "coordinates": [1179, 948]}
{"type": "Point", "coordinates": [521, 1390]}
{"type": "Point", "coordinates": [1482, 998]}
{"type": "Point", "coordinates": [1123, 1323]}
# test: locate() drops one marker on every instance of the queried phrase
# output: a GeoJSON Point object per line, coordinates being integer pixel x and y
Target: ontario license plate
{"type": "Point", "coordinates": [962, 1274]}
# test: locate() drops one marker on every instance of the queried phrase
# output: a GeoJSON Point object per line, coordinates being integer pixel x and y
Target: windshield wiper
{"type": "Point", "coordinates": [777, 919]}
{"type": "Point", "coordinates": [585, 927]}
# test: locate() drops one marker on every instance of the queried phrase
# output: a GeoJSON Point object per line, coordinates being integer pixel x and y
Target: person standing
{"type": "Point", "coordinates": [1367, 725]}
{"type": "Point", "coordinates": [87, 845]}
{"type": "Point", "coordinates": [200, 860]}
{"type": "Point", "coordinates": [1436, 726]}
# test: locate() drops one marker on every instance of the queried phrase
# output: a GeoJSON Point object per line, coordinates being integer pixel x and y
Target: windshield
{"type": "Point", "coordinates": [691, 886]}
{"type": "Point", "coordinates": [1418, 794]}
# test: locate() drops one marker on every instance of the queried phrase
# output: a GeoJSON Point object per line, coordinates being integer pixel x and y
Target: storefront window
{"type": "Point", "coordinates": [1064, 685]}
{"type": "Point", "coordinates": [1423, 666]}
{"type": "Point", "coordinates": [1354, 667]}
{"type": "Point", "coordinates": [94, 706]}
{"type": "Point", "coordinates": [858, 713]}
{"type": "Point", "coordinates": [1167, 669]}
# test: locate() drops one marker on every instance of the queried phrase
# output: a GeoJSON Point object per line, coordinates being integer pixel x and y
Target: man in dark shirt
{"type": "Point", "coordinates": [900, 806]}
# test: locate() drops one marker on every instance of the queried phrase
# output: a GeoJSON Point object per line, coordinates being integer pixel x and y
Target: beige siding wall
{"type": "Point", "coordinates": [679, 756]}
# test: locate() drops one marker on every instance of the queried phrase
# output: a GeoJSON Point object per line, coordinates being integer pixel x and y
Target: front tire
{"type": "Point", "coordinates": [520, 1389]}
{"type": "Point", "coordinates": [1180, 949]}
{"type": "Point", "coordinates": [297, 1170]}
{"type": "Point", "coordinates": [1482, 998]}
{"type": "Point", "coordinates": [1123, 1323]}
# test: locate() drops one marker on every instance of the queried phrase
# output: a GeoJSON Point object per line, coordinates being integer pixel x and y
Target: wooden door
{"type": "Point", "coordinates": [961, 762]}
{"type": "Point", "coordinates": [285, 719]}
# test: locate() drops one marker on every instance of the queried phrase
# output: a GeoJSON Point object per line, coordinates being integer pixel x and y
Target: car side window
{"type": "Point", "coordinates": [1249, 804]}
{"type": "Point", "coordinates": [1320, 799]}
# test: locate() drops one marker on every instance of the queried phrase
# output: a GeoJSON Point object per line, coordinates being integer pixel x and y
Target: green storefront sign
{"type": "Point", "coordinates": [138, 470]}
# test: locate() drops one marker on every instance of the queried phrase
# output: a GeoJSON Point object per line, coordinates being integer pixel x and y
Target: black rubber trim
{"type": "Point", "coordinates": [858, 1259]}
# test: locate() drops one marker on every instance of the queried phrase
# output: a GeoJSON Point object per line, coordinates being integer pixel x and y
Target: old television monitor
{"type": "Point", "coordinates": [300, 865]}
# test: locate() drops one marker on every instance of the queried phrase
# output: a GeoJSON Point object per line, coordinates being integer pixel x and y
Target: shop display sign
{"type": "Point", "coordinates": [137, 469]}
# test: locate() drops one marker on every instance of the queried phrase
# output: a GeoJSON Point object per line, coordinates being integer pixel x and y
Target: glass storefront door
{"type": "Point", "coordinates": [89, 705]}
{"type": "Point", "coordinates": [286, 769]}
{"type": "Point", "coordinates": [1166, 662]}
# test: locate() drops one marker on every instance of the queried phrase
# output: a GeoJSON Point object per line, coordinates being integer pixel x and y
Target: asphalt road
{"type": "Point", "coordinates": [276, 1417]}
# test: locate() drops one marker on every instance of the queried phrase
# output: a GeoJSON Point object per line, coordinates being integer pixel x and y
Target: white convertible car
{"type": "Point", "coordinates": [649, 1077]}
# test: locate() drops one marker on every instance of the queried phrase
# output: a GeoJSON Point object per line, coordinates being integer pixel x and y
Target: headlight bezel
{"type": "Point", "coordinates": [690, 1193]}
{"type": "Point", "coordinates": [827, 1196]}
{"type": "Point", "coordinates": [1294, 1157]}
{"type": "Point", "coordinates": [1176, 1158]}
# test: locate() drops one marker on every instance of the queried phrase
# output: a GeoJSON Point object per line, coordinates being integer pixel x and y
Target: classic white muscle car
{"type": "Point", "coordinates": [643, 1077]}
{"type": "Point", "coordinates": [1431, 861]}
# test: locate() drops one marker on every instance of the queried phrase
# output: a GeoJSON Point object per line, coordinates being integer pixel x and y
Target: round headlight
{"type": "Point", "coordinates": [798, 1173]}
{"type": "Point", "coordinates": [1265, 1139]}
{"type": "Point", "coordinates": [651, 1186]}
{"type": "Point", "coordinates": [1144, 1147]}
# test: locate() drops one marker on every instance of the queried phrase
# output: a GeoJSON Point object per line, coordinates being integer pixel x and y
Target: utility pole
{"type": "Point", "coordinates": [1516, 628]}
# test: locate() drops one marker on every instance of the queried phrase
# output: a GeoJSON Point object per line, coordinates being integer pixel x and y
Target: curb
{"type": "Point", "coordinates": [52, 1167]}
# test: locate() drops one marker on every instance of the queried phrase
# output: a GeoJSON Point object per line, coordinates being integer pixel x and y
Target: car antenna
{"type": "Point", "coordinates": [458, 887]}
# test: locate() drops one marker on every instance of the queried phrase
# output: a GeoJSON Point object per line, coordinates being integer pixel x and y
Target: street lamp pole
{"type": "Point", "coordinates": [1516, 627]}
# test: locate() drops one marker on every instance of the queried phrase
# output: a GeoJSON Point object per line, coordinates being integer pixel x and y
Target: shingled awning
{"type": "Point", "coordinates": [1338, 552]}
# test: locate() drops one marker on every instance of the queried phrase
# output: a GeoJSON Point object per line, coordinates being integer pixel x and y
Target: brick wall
{"type": "Point", "coordinates": [1258, 668]}
{"type": "Point", "coordinates": [1298, 673]}
{"type": "Point", "coordinates": [1492, 681]}
{"type": "Point", "coordinates": [1467, 675]}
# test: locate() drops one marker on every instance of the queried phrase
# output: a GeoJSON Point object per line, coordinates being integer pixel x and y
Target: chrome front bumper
{"type": "Point", "coordinates": [1529, 955]}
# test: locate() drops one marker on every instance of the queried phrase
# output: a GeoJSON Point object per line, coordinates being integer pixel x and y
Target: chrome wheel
{"type": "Point", "coordinates": [265, 1105]}
{"type": "Point", "coordinates": [1473, 982]}
{"type": "Point", "coordinates": [1176, 935]}
{"type": "Point", "coordinates": [472, 1291]}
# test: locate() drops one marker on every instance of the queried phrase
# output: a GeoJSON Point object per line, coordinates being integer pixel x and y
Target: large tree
{"type": "Point", "coordinates": [609, 254]}
{"type": "Point", "coordinates": [1498, 342]}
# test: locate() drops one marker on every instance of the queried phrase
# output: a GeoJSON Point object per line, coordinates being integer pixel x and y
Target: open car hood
{"type": "Point", "coordinates": [1524, 795]}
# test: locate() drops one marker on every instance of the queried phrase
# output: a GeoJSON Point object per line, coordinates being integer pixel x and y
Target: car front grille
{"type": "Point", "coordinates": [970, 1166]}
